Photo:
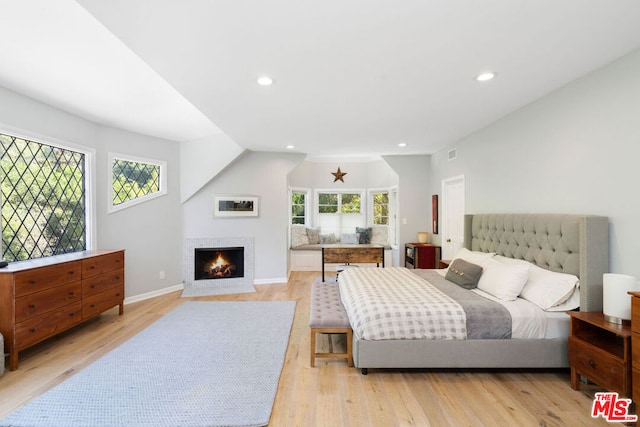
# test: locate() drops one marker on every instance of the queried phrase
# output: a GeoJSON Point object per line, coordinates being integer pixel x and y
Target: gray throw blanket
{"type": "Point", "coordinates": [485, 318]}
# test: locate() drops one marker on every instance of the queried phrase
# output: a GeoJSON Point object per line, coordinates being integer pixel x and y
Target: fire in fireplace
{"type": "Point", "coordinates": [218, 263]}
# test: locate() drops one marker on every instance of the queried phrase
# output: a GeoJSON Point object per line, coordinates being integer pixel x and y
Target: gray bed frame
{"type": "Point", "coordinates": [575, 244]}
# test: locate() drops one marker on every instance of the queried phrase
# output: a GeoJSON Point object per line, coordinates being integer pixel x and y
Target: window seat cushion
{"type": "Point", "coordinates": [318, 247]}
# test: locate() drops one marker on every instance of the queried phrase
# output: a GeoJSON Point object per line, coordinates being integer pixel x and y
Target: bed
{"type": "Point", "coordinates": [568, 244]}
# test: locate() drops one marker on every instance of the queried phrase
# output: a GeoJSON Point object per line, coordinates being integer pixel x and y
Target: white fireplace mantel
{"type": "Point", "coordinates": [188, 262]}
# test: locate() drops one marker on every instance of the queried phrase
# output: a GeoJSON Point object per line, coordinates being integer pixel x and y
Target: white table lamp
{"type": "Point", "coordinates": [616, 302]}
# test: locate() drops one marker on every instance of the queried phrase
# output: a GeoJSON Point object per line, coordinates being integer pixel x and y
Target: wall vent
{"type": "Point", "coordinates": [453, 153]}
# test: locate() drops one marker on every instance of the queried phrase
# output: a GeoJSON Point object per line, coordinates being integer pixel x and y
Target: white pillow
{"type": "Point", "coordinates": [512, 261]}
{"type": "Point", "coordinates": [350, 238]}
{"type": "Point", "coordinates": [503, 281]}
{"type": "Point", "coordinates": [473, 257]}
{"type": "Point", "coordinates": [548, 289]}
{"type": "Point", "coordinates": [299, 235]}
{"type": "Point", "coordinates": [379, 235]}
{"type": "Point", "coordinates": [571, 303]}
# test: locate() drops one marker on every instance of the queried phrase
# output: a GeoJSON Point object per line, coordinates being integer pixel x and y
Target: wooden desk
{"type": "Point", "coordinates": [348, 254]}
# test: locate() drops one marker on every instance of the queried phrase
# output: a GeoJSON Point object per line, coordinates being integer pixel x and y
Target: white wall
{"type": "Point", "coordinates": [149, 232]}
{"type": "Point", "coordinates": [573, 151]}
{"type": "Point", "coordinates": [202, 159]}
{"type": "Point", "coordinates": [360, 175]}
{"type": "Point", "coordinates": [414, 196]}
{"type": "Point", "coordinates": [255, 173]}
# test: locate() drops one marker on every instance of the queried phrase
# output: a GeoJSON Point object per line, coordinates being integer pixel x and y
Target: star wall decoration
{"type": "Point", "coordinates": [338, 175]}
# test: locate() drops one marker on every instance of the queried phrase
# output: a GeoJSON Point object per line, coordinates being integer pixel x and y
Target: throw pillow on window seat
{"type": "Point", "coordinates": [313, 233]}
{"type": "Point", "coordinates": [365, 235]}
{"type": "Point", "coordinates": [349, 238]}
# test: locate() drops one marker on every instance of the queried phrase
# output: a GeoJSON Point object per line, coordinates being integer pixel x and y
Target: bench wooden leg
{"type": "Point", "coordinates": [314, 333]}
{"type": "Point", "coordinates": [348, 355]}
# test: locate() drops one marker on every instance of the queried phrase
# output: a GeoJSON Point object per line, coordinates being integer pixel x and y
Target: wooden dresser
{"type": "Point", "coordinates": [43, 297]}
{"type": "Point", "coordinates": [635, 347]}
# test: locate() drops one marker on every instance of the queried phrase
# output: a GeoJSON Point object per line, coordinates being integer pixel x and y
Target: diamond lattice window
{"type": "Point", "coordinates": [43, 199]}
{"type": "Point", "coordinates": [135, 180]}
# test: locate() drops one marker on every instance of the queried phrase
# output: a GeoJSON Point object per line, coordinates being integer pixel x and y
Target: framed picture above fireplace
{"type": "Point", "coordinates": [225, 206]}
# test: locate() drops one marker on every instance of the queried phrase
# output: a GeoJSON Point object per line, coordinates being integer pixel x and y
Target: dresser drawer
{"type": "Point", "coordinates": [635, 385]}
{"type": "Point", "coordinates": [39, 279]}
{"type": "Point", "coordinates": [47, 300]}
{"type": "Point", "coordinates": [46, 325]}
{"type": "Point", "coordinates": [596, 364]}
{"type": "Point", "coordinates": [635, 349]}
{"type": "Point", "coordinates": [101, 283]}
{"type": "Point", "coordinates": [96, 304]}
{"type": "Point", "coordinates": [635, 314]}
{"type": "Point", "coordinates": [101, 264]}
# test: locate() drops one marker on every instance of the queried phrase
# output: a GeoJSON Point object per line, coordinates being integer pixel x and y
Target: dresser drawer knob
{"type": "Point", "coordinates": [71, 293]}
{"type": "Point", "coordinates": [592, 364]}
{"type": "Point", "coordinates": [32, 306]}
{"type": "Point", "coordinates": [32, 330]}
{"type": "Point", "coordinates": [72, 314]}
{"type": "Point", "coordinates": [33, 282]}
{"type": "Point", "coordinates": [92, 286]}
{"type": "Point", "coordinates": [71, 272]}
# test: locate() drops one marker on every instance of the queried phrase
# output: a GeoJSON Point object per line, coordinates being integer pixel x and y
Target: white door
{"type": "Point", "coordinates": [452, 216]}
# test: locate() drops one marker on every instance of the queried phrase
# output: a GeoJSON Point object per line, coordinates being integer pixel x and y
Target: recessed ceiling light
{"type": "Point", "coordinates": [483, 77]}
{"type": "Point", "coordinates": [290, 147]}
{"type": "Point", "coordinates": [402, 144]}
{"type": "Point", "coordinates": [265, 81]}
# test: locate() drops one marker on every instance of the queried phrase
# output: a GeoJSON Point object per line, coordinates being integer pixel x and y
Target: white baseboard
{"type": "Point", "coordinates": [180, 287]}
{"type": "Point", "coordinates": [270, 281]}
{"type": "Point", "coordinates": [153, 294]}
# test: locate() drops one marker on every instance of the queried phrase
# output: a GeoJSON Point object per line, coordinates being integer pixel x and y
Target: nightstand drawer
{"type": "Point", "coordinates": [597, 365]}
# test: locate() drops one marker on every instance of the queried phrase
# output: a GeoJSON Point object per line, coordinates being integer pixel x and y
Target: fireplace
{"type": "Point", "coordinates": [244, 271]}
{"type": "Point", "coordinates": [218, 263]}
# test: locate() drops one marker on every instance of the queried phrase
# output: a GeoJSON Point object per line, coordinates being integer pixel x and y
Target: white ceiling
{"type": "Point", "coordinates": [352, 77]}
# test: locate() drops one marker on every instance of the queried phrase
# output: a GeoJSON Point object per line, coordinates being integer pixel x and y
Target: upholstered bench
{"type": "Point", "coordinates": [328, 316]}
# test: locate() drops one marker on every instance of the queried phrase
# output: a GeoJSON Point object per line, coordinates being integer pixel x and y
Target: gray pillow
{"type": "Point", "coordinates": [365, 235]}
{"type": "Point", "coordinates": [464, 274]}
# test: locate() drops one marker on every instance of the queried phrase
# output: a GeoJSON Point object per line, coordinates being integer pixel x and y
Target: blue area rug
{"type": "Point", "coordinates": [203, 364]}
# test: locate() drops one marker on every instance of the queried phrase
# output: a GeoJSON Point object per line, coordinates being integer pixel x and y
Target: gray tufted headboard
{"type": "Point", "coordinates": [574, 244]}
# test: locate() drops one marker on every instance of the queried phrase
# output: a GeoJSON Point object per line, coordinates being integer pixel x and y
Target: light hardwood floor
{"type": "Point", "coordinates": [331, 394]}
